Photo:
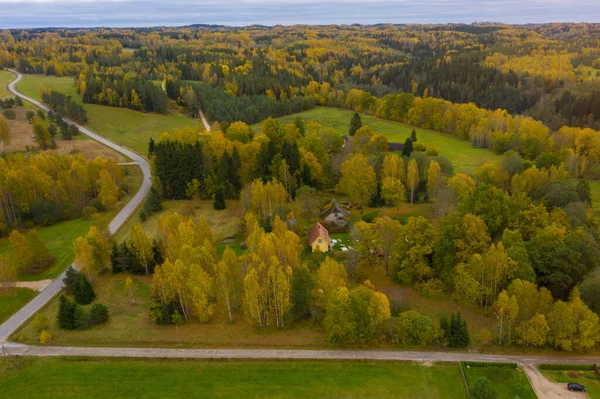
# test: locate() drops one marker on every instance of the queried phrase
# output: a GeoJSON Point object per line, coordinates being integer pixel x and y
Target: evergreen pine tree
{"type": "Point", "coordinates": [66, 314]}
{"type": "Point", "coordinates": [234, 173]}
{"type": "Point", "coordinates": [114, 259]}
{"type": "Point", "coordinates": [408, 148]}
{"type": "Point", "coordinates": [219, 198]}
{"type": "Point", "coordinates": [151, 146]}
{"type": "Point", "coordinates": [413, 136]}
{"type": "Point", "coordinates": [84, 292]}
{"type": "Point", "coordinates": [307, 179]}
{"type": "Point", "coordinates": [355, 124]}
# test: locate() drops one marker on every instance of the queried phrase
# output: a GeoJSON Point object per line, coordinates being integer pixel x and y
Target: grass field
{"type": "Point", "coordinates": [589, 379]}
{"type": "Point", "coordinates": [129, 128]}
{"type": "Point", "coordinates": [104, 378]}
{"type": "Point", "coordinates": [509, 383]}
{"type": "Point", "coordinates": [464, 157]}
{"type": "Point", "coordinates": [12, 300]}
{"type": "Point", "coordinates": [224, 223]}
{"type": "Point", "coordinates": [5, 78]}
{"type": "Point", "coordinates": [130, 325]}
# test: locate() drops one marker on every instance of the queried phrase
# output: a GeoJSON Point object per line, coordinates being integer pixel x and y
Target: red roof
{"type": "Point", "coordinates": [318, 231]}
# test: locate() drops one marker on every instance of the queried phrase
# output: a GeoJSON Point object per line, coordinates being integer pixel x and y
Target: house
{"type": "Point", "coordinates": [318, 238]}
{"type": "Point", "coordinates": [334, 213]}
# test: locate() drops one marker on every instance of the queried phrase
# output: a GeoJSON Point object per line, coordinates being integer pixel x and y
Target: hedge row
{"type": "Point", "coordinates": [483, 365]}
{"type": "Point", "coordinates": [567, 366]}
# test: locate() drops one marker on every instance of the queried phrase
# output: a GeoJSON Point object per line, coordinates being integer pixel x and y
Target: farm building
{"type": "Point", "coordinates": [318, 238]}
{"type": "Point", "coordinates": [334, 213]}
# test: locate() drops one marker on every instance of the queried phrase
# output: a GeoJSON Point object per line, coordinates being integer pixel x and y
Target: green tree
{"type": "Point", "coordinates": [98, 314]}
{"type": "Point", "coordinates": [483, 389]}
{"type": "Point", "coordinates": [355, 124]}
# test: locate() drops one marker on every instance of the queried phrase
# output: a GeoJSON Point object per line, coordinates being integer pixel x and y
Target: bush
{"type": "Point", "coordinates": [45, 337]}
{"type": "Point", "coordinates": [567, 367]}
{"type": "Point", "coordinates": [41, 322]}
{"type": "Point", "coordinates": [483, 389]}
{"type": "Point", "coordinates": [98, 314]}
{"type": "Point", "coordinates": [369, 217]}
{"type": "Point", "coordinates": [219, 200]}
{"type": "Point", "coordinates": [433, 289]}
{"type": "Point", "coordinates": [89, 212]}
{"type": "Point", "coordinates": [573, 374]}
{"type": "Point", "coordinates": [493, 365]}
{"type": "Point", "coordinates": [9, 114]}
{"type": "Point", "coordinates": [29, 115]}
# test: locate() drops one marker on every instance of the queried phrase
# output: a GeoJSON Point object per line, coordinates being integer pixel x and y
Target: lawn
{"type": "Point", "coordinates": [104, 378]}
{"type": "Point", "coordinates": [129, 128]}
{"type": "Point", "coordinates": [224, 223]}
{"type": "Point", "coordinates": [12, 300]}
{"type": "Point", "coordinates": [463, 156]}
{"type": "Point", "coordinates": [5, 78]}
{"type": "Point", "coordinates": [589, 379]}
{"type": "Point", "coordinates": [130, 325]}
{"type": "Point", "coordinates": [508, 382]}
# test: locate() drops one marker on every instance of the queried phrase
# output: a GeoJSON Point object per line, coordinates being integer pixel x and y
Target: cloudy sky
{"type": "Point", "coordinates": [130, 13]}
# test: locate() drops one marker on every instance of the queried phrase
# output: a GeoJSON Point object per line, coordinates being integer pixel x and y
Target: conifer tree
{"type": "Point", "coordinates": [355, 124]}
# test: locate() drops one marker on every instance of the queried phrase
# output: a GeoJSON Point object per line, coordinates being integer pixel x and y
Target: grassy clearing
{"type": "Point", "coordinates": [464, 157]}
{"type": "Point", "coordinates": [5, 78]}
{"type": "Point", "coordinates": [67, 378]}
{"type": "Point", "coordinates": [224, 223]}
{"type": "Point", "coordinates": [13, 299]}
{"type": "Point", "coordinates": [129, 128]}
{"type": "Point", "coordinates": [225, 380]}
{"type": "Point", "coordinates": [595, 191]}
{"type": "Point", "coordinates": [508, 383]}
{"type": "Point", "coordinates": [130, 325]}
{"type": "Point", "coordinates": [589, 379]}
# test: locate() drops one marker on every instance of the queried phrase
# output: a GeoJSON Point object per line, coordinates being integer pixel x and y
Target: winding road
{"type": "Point", "coordinates": [543, 387]}
{"type": "Point", "coordinates": [16, 320]}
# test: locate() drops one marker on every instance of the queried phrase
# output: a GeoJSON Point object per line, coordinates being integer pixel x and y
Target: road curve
{"type": "Point", "coordinates": [16, 320]}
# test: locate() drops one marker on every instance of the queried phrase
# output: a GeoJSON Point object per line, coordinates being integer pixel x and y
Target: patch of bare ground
{"type": "Point", "coordinates": [22, 141]}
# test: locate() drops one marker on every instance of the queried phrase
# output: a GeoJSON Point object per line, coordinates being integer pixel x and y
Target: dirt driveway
{"type": "Point", "coordinates": [546, 389]}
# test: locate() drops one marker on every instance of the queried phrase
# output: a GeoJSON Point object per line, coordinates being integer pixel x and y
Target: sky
{"type": "Point", "coordinates": [138, 13]}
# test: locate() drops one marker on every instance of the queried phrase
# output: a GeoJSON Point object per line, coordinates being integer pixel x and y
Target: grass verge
{"type": "Point", "coordinates": [12, 300]}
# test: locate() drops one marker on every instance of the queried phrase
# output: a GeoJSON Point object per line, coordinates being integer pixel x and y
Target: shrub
{"type": "Point", "coordinates": [9, 114]}
{"type": "Point", "coordinates": [45, 337]}
{"type": "Point", "coordinates": [29, 115]}
{"type": "Point", "coordinates": [567, 367]}
{"type": "Point", "coordinates": [573, 374]}
{"type": "Point", "coordinates": [483, 389]}
{"type": "Point", "coordinates": [433, 288]}
{"type": "Point", "coordinates": [219, 200]}
{"type": "Point", "coordinates": [41, 322]}
{"type": "Point", "coordinates": [98, 314]}
{"type": "Point", "coordinates": [88, 212]}
{"type": "Point", "coordinates": [432, 151]}
{"type": "Point", "coordinates": [369, 217]}
{"type": "Point", "coordinates": [493, 365]}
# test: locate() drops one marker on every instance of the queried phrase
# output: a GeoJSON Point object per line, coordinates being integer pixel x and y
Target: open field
{"type": "Point", "coordinates": [589, 379]}
{"type": "Point", "coordinates": [224, 223]}
{"type": "Point", "coordinates": [5, 78]}
{"type": "Point", "coordinates": [128, 128]}
{"type": "Point", "coordinates": [22, 140]}
{"type": "Point", "coordinates": [68, 378]}
{"type": "Point", "coordinates": [130, 325]}
{"type": "Point", "coordinates": [12, 300]}
{"type": "Point", "coordinates": [464, 157]}
{"type": "Point", "coordinates": [508, 382]}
